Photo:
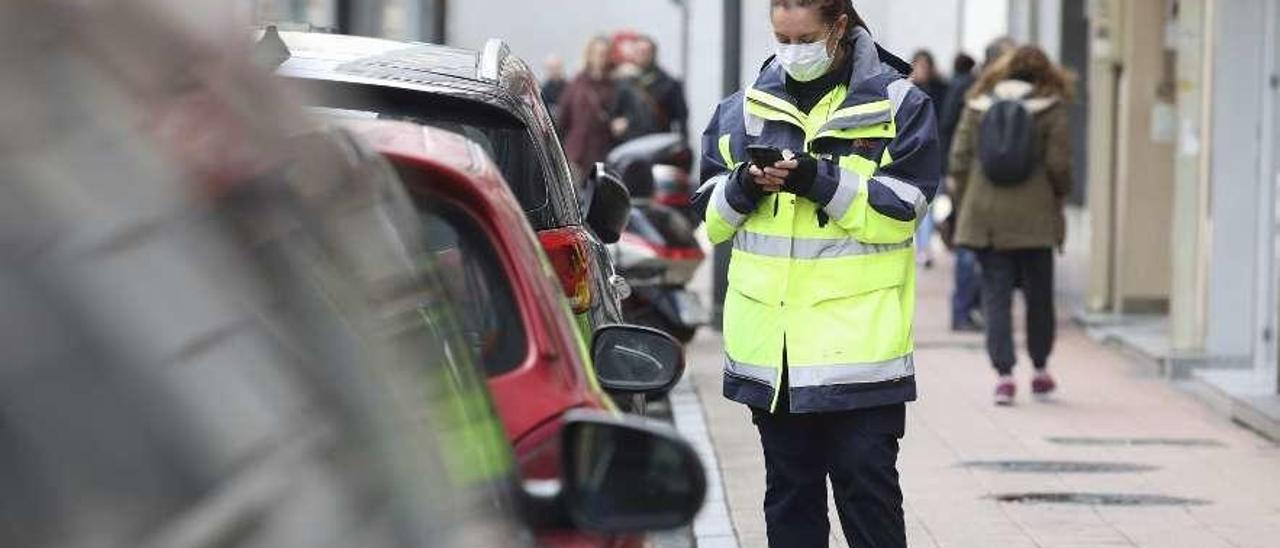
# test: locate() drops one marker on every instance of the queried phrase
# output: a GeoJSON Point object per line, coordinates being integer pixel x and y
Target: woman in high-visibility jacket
{"type": "Point", "coordinates": [818, 315]}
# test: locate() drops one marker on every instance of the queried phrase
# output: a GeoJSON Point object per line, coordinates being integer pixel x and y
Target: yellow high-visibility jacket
{"type": "Point", "coordinates": [824, 283]}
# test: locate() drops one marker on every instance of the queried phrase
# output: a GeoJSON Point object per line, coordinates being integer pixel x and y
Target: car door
{"type": "Point", "coordinates": [248, 372]}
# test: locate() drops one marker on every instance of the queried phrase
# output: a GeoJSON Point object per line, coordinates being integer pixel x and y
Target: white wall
{"type": "Point", "coordinates": [562, 27]}
{"type": "Point", "coordinates": [1238, 88]}
{"type": "Point", "coordinates": [1047, 31]}
{"type": "Point", "coordinates": [984, 20]}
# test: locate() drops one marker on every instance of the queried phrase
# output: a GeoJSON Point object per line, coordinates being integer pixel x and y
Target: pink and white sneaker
{"type": "Point", "coordinates": [1005, 390]}
{"type": "Point", "coordinates": [1043, 385]}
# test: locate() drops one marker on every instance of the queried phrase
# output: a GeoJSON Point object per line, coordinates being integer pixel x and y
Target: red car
{"type": "Point", "coordinates": [516, 316]}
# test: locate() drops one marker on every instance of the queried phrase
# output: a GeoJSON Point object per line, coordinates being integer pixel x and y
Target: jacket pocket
{"type": "Point", "coordinates": [815, 282]}
{"type": "Point", "coordinates": [761, 279]}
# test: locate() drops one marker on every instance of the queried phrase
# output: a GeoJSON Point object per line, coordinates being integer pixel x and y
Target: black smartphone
{"type": "Point", "coordinates": [764, 156]}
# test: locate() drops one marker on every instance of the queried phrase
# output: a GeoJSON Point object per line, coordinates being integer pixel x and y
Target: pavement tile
{"type": "Point", "coordinates": [1103, 395]}
{"type": "Point", "coordinates": [727, 541]}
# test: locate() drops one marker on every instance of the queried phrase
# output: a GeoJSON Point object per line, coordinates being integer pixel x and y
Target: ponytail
{"type": "Point", "coordinates": [855, 20]}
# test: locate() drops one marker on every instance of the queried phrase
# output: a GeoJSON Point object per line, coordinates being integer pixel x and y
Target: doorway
{"type": "Point", "coordinates": [1267, 354]}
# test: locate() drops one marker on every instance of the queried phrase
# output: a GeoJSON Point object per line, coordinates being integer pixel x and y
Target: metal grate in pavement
{"type": "Point", "coordinates": [1058, 467]}
{"type": "Point", "coordinates": [1098, 499]}
{"type": "Point", "coordinates": [1136, 442]}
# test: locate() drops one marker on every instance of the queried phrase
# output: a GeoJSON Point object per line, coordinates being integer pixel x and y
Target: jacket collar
{"type": "Point", "coordinates": [1013, 90]}
{"type": "Point", "coordinates": [864, 54]}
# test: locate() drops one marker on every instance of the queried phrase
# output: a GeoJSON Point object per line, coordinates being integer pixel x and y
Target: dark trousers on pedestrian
{"type": "Point", "coordinates": [858, 450]}
{"type": "Point", "coordinates": [968, 286]}
{"type": "Point", "coordinates": [1002, 272]}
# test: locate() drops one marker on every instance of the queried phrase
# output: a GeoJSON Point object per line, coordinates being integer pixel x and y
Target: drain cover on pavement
{"type": "Point", "coordinates": [1058, 467]}
{"type": "Point", "coordinates": [1136, 442]}
{"type": "Point", "coordinates": [1098, 499]}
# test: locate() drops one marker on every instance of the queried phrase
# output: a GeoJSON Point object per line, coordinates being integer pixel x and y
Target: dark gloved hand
{"type": "Point", "coordinates": [745, 194]}
{"type": "Point", "coordinates": [801, 180]}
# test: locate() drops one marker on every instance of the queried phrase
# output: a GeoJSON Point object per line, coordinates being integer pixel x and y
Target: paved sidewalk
{"type": "Point", "coordinates": [1236, 474]}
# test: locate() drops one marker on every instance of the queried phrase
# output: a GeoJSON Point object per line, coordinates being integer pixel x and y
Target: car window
{"type": "Point", "coordinates": [506, 139]}
{"type": "Point", "coordinates": [477, 283]}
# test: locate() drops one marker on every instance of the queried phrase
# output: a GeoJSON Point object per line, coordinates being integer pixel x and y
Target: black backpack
{"type": "Point", "coordinates": [1006, 142]}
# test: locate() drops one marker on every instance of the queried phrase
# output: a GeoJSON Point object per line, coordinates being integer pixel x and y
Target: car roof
{"type": "Point", "coordinates": [417, 66]}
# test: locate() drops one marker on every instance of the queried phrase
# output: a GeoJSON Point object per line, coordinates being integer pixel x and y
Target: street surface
{"type": "Point", "coordinates": [1164, 441]}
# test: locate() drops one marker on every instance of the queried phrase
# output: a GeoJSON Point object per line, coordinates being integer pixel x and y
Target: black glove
{"type": "Point", "coordinates": [743, 193]}
{"type": "Point", "coordinates": [800, 181]}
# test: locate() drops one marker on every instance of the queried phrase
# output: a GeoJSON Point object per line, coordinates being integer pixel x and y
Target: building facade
{"type": "Point", "coordinates": [1183, 177]}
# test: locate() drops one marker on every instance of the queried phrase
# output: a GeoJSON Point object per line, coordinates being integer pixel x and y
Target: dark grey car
{"type": "Point", "coordinates": [491, 97]}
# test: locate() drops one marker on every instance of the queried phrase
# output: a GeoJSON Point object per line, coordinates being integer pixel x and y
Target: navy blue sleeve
{"type": "Point", "coordinates": [915, 167]}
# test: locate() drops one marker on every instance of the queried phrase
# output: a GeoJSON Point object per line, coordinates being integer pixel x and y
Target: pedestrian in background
{"type": "Point", "coordinates": [966, 294]}
{"type": "Point", "coordinates": [819, 310]}
{"type": "Point", "coordinates": [595, 112]}
{"type": "Point", "coordinates": [952, 105]}
{"type": "Point", "coordinates": [658, 91]}
{"type": "Point", "coordinates": [924, 74]}
{"type": "Point", "coordinates": [1012, 166]}
{"type": "Point", "coordinates": [966, 297]}
{"type": "Point", "coordinates": [553, 83]}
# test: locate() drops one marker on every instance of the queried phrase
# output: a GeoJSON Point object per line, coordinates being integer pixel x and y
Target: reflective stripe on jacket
{"type": "Point", "coordinates": [830, 281]}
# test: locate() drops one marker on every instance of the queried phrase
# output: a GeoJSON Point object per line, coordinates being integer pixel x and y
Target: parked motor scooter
{"type": "Point", "coordinates": [658, 255]}
{"type": "Point", "coordinates": [671, 158]}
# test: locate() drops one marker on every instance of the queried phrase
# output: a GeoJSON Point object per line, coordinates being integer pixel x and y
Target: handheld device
{"type": "Point", "coordinates": [764, 156]}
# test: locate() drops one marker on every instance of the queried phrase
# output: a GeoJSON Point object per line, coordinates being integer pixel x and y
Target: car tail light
{"type": "Point", "coordinates": [570, 256]}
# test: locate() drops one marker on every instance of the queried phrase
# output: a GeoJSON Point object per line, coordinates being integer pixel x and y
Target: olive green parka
{"type": "Point", "coordinates": [1029, 214]}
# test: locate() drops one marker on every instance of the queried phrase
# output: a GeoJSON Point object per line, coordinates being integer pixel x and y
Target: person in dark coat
{"type": "Point", "coordinates": [924, 74]}
{"type": "Point", "coordinates": [662, 94]}
{"type": "Point", "coordinates": [553, 85]}
{"type": "Point", "coordinates": [966, 299]}
{"type": "Point", "coordinates": [952, 106]}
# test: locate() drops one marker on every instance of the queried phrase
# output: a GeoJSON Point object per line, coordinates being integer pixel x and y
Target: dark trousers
{"type": "Point", "coordinates": [858, 450]}
{"type": "Point", "coordinates": [1002, 271]}
{"type": "Point", "coordinates": [968, 287]}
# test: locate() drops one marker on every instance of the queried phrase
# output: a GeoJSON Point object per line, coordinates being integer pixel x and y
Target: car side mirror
{"type": "Point", "coordinates": [607, 205]}
{"type": "Point", "coordinates": [628, 475]}
{"type": "Point", "coordinates": [629, 359]}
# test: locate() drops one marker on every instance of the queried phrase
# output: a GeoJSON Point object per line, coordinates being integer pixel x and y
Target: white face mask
{"type": "Point", "coordinates": [804, 62]}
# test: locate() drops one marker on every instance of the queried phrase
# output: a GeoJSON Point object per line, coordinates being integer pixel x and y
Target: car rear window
{"type": "Point", "coordinates": [507, 140]}
{"type": "Point", "coordinates": [475, 280]}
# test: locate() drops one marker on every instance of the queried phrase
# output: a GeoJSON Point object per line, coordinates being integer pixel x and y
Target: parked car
{"type": "Point", "coordinates": [278, 362]}
{"type": "Point", "coordinates": [490, 96]}
{"type": "Point", "coordinates": [511, 310]}
{"type": "Point", "coordinates": [214, 334]}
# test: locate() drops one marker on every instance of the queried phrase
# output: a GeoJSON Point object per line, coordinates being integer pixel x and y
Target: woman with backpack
{"type": "Point", "coordinates": [1011, 161]}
